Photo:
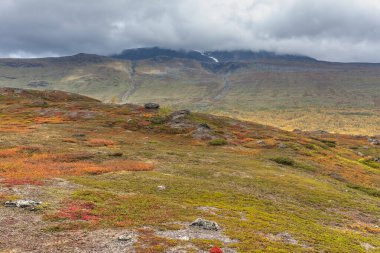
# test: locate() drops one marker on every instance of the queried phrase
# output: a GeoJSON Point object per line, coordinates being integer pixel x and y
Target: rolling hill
{"type": "Point", "coordinates": [78, 175]}
{"type": "Point", "coordinates": [287, 91]}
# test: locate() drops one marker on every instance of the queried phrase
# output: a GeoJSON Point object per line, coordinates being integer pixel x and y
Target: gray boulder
{"type": "Point", "coordinates": [205, 224]}
{"type": "Point", "coordinates": [179, 116]}
{"type": "Point", "coordinates": [374, 141]}
{"type": "Point", "coordinates": [151, 106]}
{"type": "Point", "coordinates": [21, 203]}
{"type": "Point", "coordinates": [203, 132]}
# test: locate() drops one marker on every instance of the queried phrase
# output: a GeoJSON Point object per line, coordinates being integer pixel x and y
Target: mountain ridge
{"type": "Point", "coordinates": [206, 56]}
{"type": "Point", "coordinates": [287, 93]}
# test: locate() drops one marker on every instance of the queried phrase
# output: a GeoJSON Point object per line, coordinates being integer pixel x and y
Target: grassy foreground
{"type": "Point", "coordinates": [270, 190]}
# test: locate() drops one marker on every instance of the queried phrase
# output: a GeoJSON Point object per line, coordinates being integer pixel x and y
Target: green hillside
{"type": "Point", "coordinates": [290, 94]}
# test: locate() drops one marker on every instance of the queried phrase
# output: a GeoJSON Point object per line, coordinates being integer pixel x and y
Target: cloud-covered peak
{"type": "Point", "coordinates": [340, 30]}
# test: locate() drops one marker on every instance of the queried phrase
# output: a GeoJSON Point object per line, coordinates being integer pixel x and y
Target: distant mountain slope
{"type": "Point", "coordinates": [247, 55]}
{"type": "Point", "coordinates": [156, 52]}
{"type": "Point", "coordinates": [285, 91]}
{"type": "Point", "coordinates": [209, 56]}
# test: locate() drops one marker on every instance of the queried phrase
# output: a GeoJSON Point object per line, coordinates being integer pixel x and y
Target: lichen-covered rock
{"type": "Point", "coordinates": [203, 132]}
{"type": "Point", "coordinates": [179, 115]}
{"type": "Point", "coordinates": [205, 224]}
{"type": "Point", "coordinates": [374, 141]}
{"type": "Point", "coordinates": [30, 204]}
{"type": "Point", "coordinates": [127, 237]}
{"type": "Point", "coordinates": [178, 120]}
{"type": "Point", "coordinates": [151, 106]}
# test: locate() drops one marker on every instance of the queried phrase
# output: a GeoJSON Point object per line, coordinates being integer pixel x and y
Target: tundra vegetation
{"type": "Point", "coordinates": [101, 170]}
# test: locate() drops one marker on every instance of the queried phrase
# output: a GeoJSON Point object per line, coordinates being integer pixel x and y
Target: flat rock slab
{"type": "Point", "coordinates": [22, 203]}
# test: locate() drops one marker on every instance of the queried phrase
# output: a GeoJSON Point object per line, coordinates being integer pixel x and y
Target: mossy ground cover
{"type": "Point", "coordinates": [322, 195]}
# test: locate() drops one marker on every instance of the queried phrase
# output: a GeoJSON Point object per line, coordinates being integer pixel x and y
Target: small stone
{"type": "Point", "coordinates": [126, 237]}
{"type": "Point", "coordinates": [367, 246]}
{"type": "Point", "coordinates": [151, 106]}
{"type": "Point", "coordinates": [184, 238]}
{"type": "Point", "coordinates": [161, 187]}
{"type": "Point", "coordinates": [79, 135]}
{"type": "Point", "coordinates": [360, 154]}
{"type": "Point", "coordinates": [204, 125]}
{"type": "Point", "coordinates": [282, 145]}
{"type": "Point", "coordinates": [116, 154]}
{"type": "Point", "coordinates": [373, 141]}
{"type": "Point", "coordinates": [205, 224]}
{"type": "Point", "coordinates": [181, 112]}
{"type": "Point", "coordinates": [287, 238]}
{"type": "Point", "coordinates": [261, 142]}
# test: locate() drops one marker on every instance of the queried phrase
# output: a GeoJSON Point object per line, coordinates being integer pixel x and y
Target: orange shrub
{"type": "Point", "coordinates": [32, 169]}
{"type": "Point", "coordinates": [8, 152]}
{"type": "Point", "coordinates": [50, 120]}
{"type": "Point", "coordinates": [3, 196]}
{"type": "Point", "coordinates": [101, 142]}
{"type": "Point", "coordinates": [148, 115]}
{"type": "Point", "coordinates": [30, 148]}
{"type": "Point", "coordinates": [128, 165]}
{"type": "Point", "coordinates": [13, 182]}
{"type": "Point", "coordinates": [69, 140]}
{"type": "Point", "coordinates": [14, 128]}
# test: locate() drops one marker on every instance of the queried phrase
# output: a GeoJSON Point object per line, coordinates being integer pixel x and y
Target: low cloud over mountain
{"type": "Point", "coordinates": [341, 30]}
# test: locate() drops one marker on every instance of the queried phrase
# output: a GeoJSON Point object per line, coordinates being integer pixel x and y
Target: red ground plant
{"type": "Point", "coordinates": [78, 211]}
{"type": "Point", "coordinates": [216, 249]}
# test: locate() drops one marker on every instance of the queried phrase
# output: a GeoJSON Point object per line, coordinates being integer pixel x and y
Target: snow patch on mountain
{"type": "Point", "coordinates": [212, 58]}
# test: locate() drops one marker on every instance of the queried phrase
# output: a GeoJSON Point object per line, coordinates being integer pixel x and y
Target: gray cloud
{"type": "Point", "coordinates": [339, 30]}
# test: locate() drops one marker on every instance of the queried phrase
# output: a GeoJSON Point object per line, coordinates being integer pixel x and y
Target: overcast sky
{"type": "Point", "coordinates": [336, 30]}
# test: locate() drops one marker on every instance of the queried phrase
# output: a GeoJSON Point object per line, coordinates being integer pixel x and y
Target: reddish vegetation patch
{"type": "Point", "coordinates": [3, 196]}
{"type": "Point", "coordinates": [216, 250]}
{"type": "Point", "coordinates": [13, 182]}
{"type": "Point", "coordinates": [13, 128]}
{"type": "Point", "coordinates": [144, 123]}
{"type": "Point", "coordinates": [149, 242]}
{"type": "Point", "coordinates": [77, 211]}
{"type": "Point", "coordinates": [19, 168]}
{"type": "Point", "coordinates": [70, 140]}
{"type": "Point", "coordinates": [8, 152]}
{"type": "Point", "coordinates": [100, 142]}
